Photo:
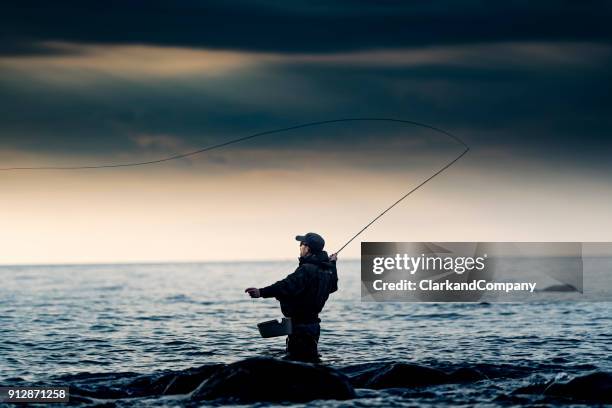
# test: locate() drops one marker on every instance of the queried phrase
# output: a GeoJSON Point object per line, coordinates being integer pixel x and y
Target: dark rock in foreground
{"type": "Point", "coordinates": [594, 387]}
{"type": "Point", "coordinates": [269, 379]}
{"type": "Point", "coordinates": [132, 385]}
{"type": "Point", "coordinates": [179, 382]}
{"type": "Point", "coordinates": [403, 375]}
{"type": "Point", "coordinates": [466, 374]}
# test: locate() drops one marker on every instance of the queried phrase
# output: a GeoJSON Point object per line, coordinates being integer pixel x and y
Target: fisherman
{"type": "Point", "coordinates": [302, 296]}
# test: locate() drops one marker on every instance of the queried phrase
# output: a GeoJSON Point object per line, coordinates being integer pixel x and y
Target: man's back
{"type": "Point", "coordinates": [303, 293]}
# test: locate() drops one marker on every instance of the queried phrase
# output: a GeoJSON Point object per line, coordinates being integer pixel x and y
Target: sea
{"type": "Point", "coordinates": [90, 325]}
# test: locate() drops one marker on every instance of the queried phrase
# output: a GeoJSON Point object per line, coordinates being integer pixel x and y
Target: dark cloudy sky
{"type": "Point", "coordinates": [526, 84]}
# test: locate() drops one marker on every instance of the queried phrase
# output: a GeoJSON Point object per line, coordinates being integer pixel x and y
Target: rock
{"type": "Point", "coordinates": [102, 392]}
{"type": "Point", "coordinates": [490, 371]}
{"type": "Point", "coordinates": [400, 375]}
{"type": "Point", "coordinates": [537, 388]}
{"type": "Point", "coordinates": [129, 386]}
{"type": "Point", "coordinates": [360, 374]}
{"type": "Point", "coordinates": [186, 381]}
{"type": "Point", "coordinates": [466, 374]}
{"type": "Point", "coordinates": [594, 387]}
{"type": "Point", "coordinates": [270, 379]}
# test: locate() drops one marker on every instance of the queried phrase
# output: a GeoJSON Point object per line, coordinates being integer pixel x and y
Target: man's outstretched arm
{"type": "Point", "coordinates": [290, 286]}
{"type": "Point", "coordinates": [253, 292]}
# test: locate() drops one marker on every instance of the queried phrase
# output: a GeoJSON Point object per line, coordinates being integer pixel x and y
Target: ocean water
{"type": "Point", "coordinates": [65, 323]}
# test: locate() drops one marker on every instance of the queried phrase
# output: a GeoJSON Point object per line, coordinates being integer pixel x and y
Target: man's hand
{"type": "Point", "coordinates": [333, 257]}
{"type": "Point", "coordinates": [253, 292]}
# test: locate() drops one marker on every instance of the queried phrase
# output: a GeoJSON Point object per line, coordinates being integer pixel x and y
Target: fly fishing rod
{"type": "Point", "coordinates": [270, 132]}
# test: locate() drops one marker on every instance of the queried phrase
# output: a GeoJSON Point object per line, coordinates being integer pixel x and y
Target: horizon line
{"type": "Point", "coordinates": [168, 262]}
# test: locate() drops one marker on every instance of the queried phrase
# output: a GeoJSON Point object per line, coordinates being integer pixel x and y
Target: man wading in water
{"type": "Point", "coordinates": [302, 296]}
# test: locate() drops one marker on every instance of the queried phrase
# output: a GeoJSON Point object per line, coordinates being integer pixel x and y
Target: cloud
{"type": "Point", "coordinates": [159, 142]}
{"type": "Point", "coordinates": [133, 61]}
{"type": "Point", "coordinates": [515, 54]}
{"type": "Point", "coordinates": [526, 84]}
{"type": "Point", "coordinates": [81, 63]}
{"type": "Point", "coordinates": [539, 100]}
{"type": "Point", "coordinates": [301, 26]}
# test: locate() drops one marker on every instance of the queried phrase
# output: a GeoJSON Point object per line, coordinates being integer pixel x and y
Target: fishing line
{"type": "Point", "coordinates": [270, 132]}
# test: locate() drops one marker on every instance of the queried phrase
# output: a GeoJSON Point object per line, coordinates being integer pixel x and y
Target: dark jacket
{"type": "Point", "coordinates": [303, 293]}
